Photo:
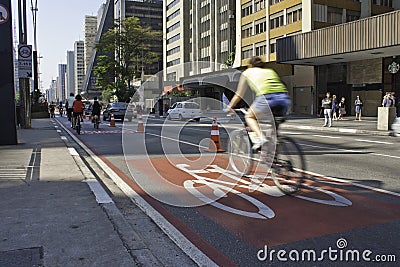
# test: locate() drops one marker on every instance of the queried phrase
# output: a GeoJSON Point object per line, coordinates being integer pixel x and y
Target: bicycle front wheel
{"type": "Point", "coordinates": [240, 152]}
{"type": "Point", "coordinates": [287, 170]}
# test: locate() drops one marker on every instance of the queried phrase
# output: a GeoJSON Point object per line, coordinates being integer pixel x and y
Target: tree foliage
{"type": "Point", "coordinates": [123, 50]}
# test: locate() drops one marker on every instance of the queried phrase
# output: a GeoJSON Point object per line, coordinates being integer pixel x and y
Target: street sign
{"type": "Point", "coordinates": [4, 14]}
{"type": "Point", "coordinates": [24, 61]}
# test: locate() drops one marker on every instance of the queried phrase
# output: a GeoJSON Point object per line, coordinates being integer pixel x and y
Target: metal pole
{"type": "Point", "coordinates": [8, 134]}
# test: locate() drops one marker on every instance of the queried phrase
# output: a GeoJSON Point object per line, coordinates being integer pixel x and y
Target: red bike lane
{"type": "Point", "coordinates": [257, 215]}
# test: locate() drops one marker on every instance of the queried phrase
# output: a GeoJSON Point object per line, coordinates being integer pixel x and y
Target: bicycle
{"type": "Point", "coordinates": [77, 123]}
{"type": "Point", "coordinates": [96, 121]}
{"type": "Point", "coordinates": [287, 165]}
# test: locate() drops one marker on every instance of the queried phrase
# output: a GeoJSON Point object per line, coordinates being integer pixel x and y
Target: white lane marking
{"type": "Point", "coordinates": [101, 195]}
{"type": "Point", "coordinates": [383, 155]}
{"type": "Point", "coordinates": [176, 140]}
{"type": "Point", "coordinates": [350, 150]}
{"type": "Point", "coordinates": [182, 242]}
{"type": "Point", "coordinates": [354, 184]}
{"type": "Point", "coordinates": [376, 142]}
{"type": "Point", "coordinates": [56, 126]}
{"type": "Point", "coordinates": [58, 131]}
{"type": "Point", "coordinates": [72, 151]}
{"type": "Point", "coordinates": [63, 138]}
{"type": "Point", "coordinates": [292, 133]}
{"type": "Point", "coordinates": [327, 136]}
{"type": "Point", "coordinates": [342, 130]}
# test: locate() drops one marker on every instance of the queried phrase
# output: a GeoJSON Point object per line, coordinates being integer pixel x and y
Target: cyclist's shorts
{"type": "Point", "coordinates": [278, 103]}
{"type": "Point", "coordinates": [76, 114]}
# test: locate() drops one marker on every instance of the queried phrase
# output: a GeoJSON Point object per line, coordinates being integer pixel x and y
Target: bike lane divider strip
{"type": "Point", "coordinates": [185, 238]}
{"type": "Point", "coordinates": [320, 211]}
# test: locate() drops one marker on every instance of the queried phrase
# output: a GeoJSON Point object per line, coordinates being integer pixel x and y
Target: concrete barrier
{"type": "Point", "coordinates": [386, 117]}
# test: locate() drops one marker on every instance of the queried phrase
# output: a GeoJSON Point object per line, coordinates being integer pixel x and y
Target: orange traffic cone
{"type": "Point", "coordinates": [140, 127]}
{"type": "Point", "coordinates": [215, 142]}
{"type": "Point", "coordinates": [112, 121]}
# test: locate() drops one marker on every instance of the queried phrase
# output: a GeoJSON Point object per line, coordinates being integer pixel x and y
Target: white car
{"type": "Point", "coordinates": [184, 111]}
{"type": "Point", "coordinates": [396, 127]}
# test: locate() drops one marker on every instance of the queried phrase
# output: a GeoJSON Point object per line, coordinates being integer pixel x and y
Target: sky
{"type": "Point", "coordinates": [59, 24]}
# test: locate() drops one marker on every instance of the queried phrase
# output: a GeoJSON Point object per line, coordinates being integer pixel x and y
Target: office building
{"type": "Point", "coordinates": [90, 30]}
{"type": "Point", "coordinates": [61, 92]}
{"type": "Point", "coordinates": [150, 14]}
{"type": "Point", "coordinates": [79, 65]}
{"type": "Point", "coordinates": [197, 31]}
{"type": "Point", "coordinates": [296, 32]}
{"type": "Point", "coordinates": [70, 73]}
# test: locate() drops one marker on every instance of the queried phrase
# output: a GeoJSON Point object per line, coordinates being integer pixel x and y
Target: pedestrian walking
{"type": "Point", "coordinates": [335, 107]}
{"type": "Point", "coordinates": [327, 105]}
{"type": "Point", "coordinates": [342, 108]}
{"type": "Point", "coordinates": [358, 107]}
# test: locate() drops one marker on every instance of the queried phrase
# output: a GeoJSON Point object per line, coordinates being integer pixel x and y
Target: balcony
{"type": "Point", "coordinates": [373, 37]}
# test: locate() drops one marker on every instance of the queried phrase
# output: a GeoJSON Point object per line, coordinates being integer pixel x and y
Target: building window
{"type": "Point", "coordinates": [247, 30]}
{"type": "Point", "coordinates": [174, 38]}
{"type": "Point", "coordinates": [174, 62]}
{"type": "Point", "coordinates": [276, 21]}
{"type": "Point", "coordinates": [352, 15]}
{"type": "Point", "coordinates": [260, 26]}
{"type": "Point", "coordinates": [294, 14]}
{"type": "Point", "coordinates": [261, 48]}
{"type": "Point", "coordinates": [174, 27]}
{"type": "Point", "coordinates": [171, 77]}
{"type": "Point", "coordinates": [247, 52]}
{"type": "Point", "coordinates": [174, 15]}
{"type": "Point", "coordinates": [259, 5]}
{"type": "Point", "coordinates": [388, 3]}
{"type": "Point", "coordinates": [172, 4]}
{"type": "Point", "coordinates": [272, 46]}
{"type": "Point", "coordinates": [335, 15]}
{"type": "Point", "coordinates": [273, 2]}
{"type": "Point", "coordinates": [173, 50]}
{"type": "Point", "coordinates": [247, 9]}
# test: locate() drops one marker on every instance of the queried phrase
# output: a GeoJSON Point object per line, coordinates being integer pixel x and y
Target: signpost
{"type": "Point", "coordinates": [8, 135]}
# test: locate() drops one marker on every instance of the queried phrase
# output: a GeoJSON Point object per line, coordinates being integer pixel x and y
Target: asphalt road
{"type": "Point", "coordinates": [237, 228]}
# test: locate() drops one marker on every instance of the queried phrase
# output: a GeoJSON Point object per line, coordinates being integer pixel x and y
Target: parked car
{"type": "Point", "coordinates": [184, 110]}
{"type": "Point", "coordinates": [396, 127]}
{"type": "Point", "coordinates": [118, 109]}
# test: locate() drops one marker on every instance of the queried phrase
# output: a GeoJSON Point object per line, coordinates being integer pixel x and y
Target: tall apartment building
{"type": "Point", "coordinates": [266, 23]}
{"type": "Point", "coordinates": [194, 31]}
{"type": "Point", "coordinates": [79, 65]}
{"type": "Point", "coordinates": [150, 14]}
{"type": "Point", "coordinates": [62, 68]}
{"type": "Point", "coordinates": [70, 73]}
{"type": "Point", "coordinates": [90, 31]}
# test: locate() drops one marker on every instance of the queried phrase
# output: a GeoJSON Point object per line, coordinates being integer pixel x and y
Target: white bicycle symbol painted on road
{"type": "Point", "coordinates": [221, 188]}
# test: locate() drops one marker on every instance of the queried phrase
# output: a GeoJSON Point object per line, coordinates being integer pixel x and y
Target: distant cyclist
{"type": "Point", "coordinates": [96, 108]}
{"type": "Point", "coordinates": [68, 105]}
{"type": "Point", "coordinates": [271, 94]}
{"type": "Point", "coordinates": [78, 108]}
{"type": "Point", "coordinates": [60, 108]}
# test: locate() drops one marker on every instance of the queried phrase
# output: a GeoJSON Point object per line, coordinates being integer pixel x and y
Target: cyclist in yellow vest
{"type": "Point", "coordinates": [271, 94]}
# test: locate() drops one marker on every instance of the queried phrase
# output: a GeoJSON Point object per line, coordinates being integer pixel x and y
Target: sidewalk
{"type": "Point", "coordinates": [368, 125]}
{"type": "Point", "coordinates": [48, 216]}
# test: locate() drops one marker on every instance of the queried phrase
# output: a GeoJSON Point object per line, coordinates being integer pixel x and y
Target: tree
{"type": "Point", "coordinates": [123, 50]}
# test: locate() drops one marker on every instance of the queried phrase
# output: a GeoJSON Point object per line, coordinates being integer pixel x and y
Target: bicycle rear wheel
{"type": "Point", "coordinates": [78, 126]}
{"type": "Point", "coordinates": [287, 170]}
{"type": "Point", "coordinates": [240, 152]}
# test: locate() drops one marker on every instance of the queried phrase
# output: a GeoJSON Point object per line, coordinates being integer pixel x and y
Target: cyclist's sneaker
{"type": "Point", "coordinates": [259, 143]}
